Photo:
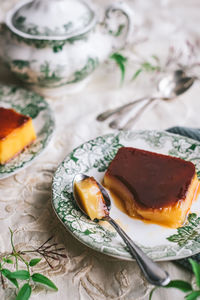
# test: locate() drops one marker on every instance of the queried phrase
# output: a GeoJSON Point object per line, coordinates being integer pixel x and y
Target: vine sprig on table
{"type": "Point", "coordinates": [185, 286]}
{"type": "Point", "coordinates": [26, 277]}
{"type": "Point", "coordinates": [144, 66]}
{"type": "Point", "coordinates": [153, 64]}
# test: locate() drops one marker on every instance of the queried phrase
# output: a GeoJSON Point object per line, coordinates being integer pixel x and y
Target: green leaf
{"type": "Point", "coordinates": [149, 67]}
{"type": "Point", "coordinates": [146, 65]}
{"type": "Point", "coordinates": [7, 274]}
{"type": "Point", "coordinates": [196, 270]}
{"type": "Point", "coordinates": [192, 296]}
{"type": "Point", "coordinates": [156, 58]}
{"type": "Point", "coordinates": [34, 261]}
{"type": "Point", "coordinates": [36, 277]}
{"type": "Point", "coordinates": [118, 57]}
{"type": "Point", "coordinates": [24, 292]}
{"type": "Point", "coordinates": [120, 61]}
{"type": "Point", "coordinates": [7, 260]}
{"type": "Point", "coordinates": [119, 31]}
{"type": "Point", "coordinates": [21, 274]}
{"type": "Point", "coordinates": [136, 74]}
{"type": "Point", "coordinates": [151, 293]}
{"type": "Point", "coordinates": [182, 285]}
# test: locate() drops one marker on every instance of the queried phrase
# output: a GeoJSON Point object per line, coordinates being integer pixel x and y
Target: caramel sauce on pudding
{"type": "Point", "coordinates": [153, 186]}
{"type": "Point", "coordinates": [10, 120]}
{"type": "Point", "coordinates": [16, 133]}
{"type": "Point", "coordinates": [155, 180]}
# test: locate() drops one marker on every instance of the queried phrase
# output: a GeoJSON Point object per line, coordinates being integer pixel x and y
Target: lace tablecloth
{"type": "Point", "coordinates": [164, 29]}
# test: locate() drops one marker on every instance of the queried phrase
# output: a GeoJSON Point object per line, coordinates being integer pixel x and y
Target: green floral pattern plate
{"type": "Point", "coordinates": [33, 105]}
{"type": "Point", "coordinates": [93, 158]}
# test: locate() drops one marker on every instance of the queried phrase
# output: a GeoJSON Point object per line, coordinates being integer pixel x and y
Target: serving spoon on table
{"type": "Point", "coordinates": [151, 270]}
{"type": "Point", "coordinates": [168, 88]}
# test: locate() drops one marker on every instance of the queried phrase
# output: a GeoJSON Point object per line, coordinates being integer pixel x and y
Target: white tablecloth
{"type": "Point", "coordinates": [25, 198]}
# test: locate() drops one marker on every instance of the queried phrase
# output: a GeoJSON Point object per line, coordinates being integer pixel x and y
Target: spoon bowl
{"type": "Point", "coordinates": [80, 177]}
{"type": "Point", "coordinates": [168, 88]}
{"type": "Point", "coordinates": [151, 270]}
{"type": "Point", "coordinates": [174, 85]}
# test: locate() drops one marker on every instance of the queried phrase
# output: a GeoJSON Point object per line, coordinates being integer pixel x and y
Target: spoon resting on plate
{"type": "Point", "coordinates": [93, 200]}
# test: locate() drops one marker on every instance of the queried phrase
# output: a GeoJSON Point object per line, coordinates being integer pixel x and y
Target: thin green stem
{"type": "Point", "coordinates": [151, 293]}
{"type": "Point", "coordinates": [16, 262]}
{"type": "Point", "coordinates": [25, 262]}
{"type": "Point", "coordinates": [11, 240]}
{"type": "Point", "coordinates": [28, 251]}
{"type": "Point", "coordinates": [18, 257]}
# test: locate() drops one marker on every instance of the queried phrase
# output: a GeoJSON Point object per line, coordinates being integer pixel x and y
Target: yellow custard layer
{"type": "Point", "coordinates": [16, 136]}
{"type": "Point", "coordinates": [90, 198]}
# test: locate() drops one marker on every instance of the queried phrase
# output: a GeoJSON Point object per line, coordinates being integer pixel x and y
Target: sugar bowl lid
{"type": "Point", "coordinates": [50, 19]}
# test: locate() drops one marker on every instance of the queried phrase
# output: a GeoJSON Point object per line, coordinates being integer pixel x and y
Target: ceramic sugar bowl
{"type": "Point", "coordinates": [54, 43]}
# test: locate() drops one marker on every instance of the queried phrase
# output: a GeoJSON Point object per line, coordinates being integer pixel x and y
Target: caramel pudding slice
{"type": "Point", "coordinates": [152, 186]}
{"type": "Point", "coordinates": [16, 133]}
{"type": "Point", "coordinates": [91, 198]}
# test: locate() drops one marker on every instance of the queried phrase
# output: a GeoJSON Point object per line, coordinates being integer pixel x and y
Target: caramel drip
{"type": "Point", "coordinates": [9, 121]}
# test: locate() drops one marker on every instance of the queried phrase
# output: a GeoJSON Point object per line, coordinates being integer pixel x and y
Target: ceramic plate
{"type": "Point", "coordinates": [33, 105]}
{"type": "Point", "coordinates": [93, 158]}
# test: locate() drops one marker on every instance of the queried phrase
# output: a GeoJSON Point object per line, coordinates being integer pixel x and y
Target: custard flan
{"type": "Point", "coordinates": [152, 186]}
{"type": "Point", "coordinates": [16, 133]}
{"type": "Point", "coordinates": [91, 198]}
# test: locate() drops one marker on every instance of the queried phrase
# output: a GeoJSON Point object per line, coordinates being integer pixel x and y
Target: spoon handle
{"type": "Point", "coordinates": [131, 122]}
{"type": "Point", "coordinates": [108, 113]}
{"type": "Point", "coordinates": [152, 271]}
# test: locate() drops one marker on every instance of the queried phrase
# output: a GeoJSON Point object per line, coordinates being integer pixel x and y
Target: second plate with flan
{"type": "Point", "coordinates": [26, 106]}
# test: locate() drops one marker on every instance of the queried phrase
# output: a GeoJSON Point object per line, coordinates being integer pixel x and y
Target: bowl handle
{"type": "Point", "coordinates": [124, 29]}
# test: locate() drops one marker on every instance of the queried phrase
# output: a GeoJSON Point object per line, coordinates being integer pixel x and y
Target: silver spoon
{"type": "Point", "coordinates": [151, 270]}
{"type": "Point", "coordinates": [168, 87]}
